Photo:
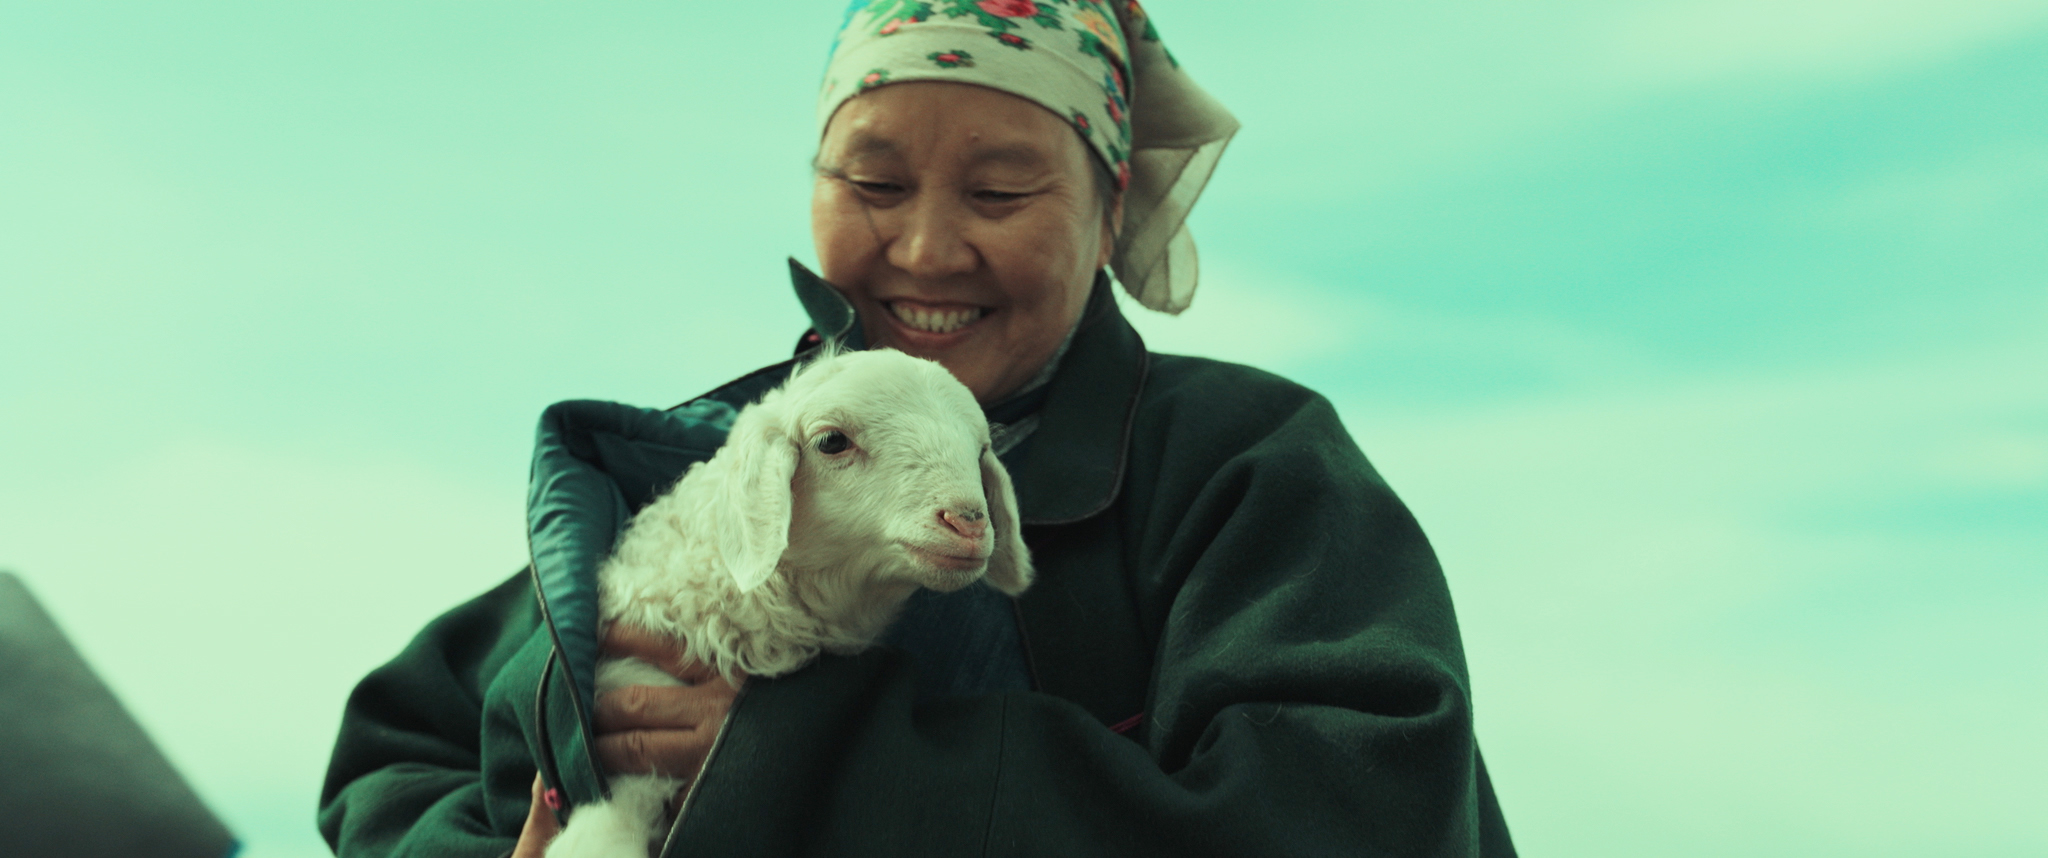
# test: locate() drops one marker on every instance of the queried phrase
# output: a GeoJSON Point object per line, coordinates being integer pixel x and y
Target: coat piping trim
{"type": "Point", "coordinates": [544, 754]}
{"type": "Point", "coordinates": [575, 700]}
{"type": "Point", "coordinates": [690, 793]}
{"type": "Point", "coordinates": [995, 793]}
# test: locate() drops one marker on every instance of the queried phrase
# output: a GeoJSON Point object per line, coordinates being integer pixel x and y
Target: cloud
{"type": "Point", "coordinates": [1994, 457]}
{"type": "Point", "coordinates": [1339, 337]}
{"type": "Point", "coordinates": [1735, 582]}
{"type": "Point", "coordinates": [1254, 316]}
{"type": "Point", "coordinates": [1998, 187]}
{"type": "Point", "coordinates": [1713, 41]}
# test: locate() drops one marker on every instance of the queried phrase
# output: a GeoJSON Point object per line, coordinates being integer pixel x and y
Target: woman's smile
{"type": "Point", "coordinates": [939, 319]}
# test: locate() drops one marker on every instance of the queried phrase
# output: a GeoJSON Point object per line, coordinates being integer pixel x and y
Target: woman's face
{"type": "Point", "coordinates": [964, 225]}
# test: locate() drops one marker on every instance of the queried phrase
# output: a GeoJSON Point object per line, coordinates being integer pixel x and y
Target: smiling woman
{"type": "Point", "coordinates": [1238, 643]}
{"type": "Point", "coordinates": [972, 242]}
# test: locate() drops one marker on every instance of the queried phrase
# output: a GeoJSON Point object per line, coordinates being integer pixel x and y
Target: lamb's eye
{"type": "Point", "coordinates": [833, 443]}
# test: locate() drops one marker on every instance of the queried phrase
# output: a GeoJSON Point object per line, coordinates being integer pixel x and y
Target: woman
{"type": "Point", "coordinates": [1239, 641]}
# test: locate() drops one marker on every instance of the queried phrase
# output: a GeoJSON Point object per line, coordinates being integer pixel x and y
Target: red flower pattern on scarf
{"type": "Point", "coordinates": [1009, 8]}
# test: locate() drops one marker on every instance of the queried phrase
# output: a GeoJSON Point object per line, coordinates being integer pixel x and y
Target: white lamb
{"type": "Point", "coordinates": [864, 477]}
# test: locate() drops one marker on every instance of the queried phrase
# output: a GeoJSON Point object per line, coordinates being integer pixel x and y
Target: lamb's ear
{"type": "Point", "coordinates": [749, 516]}
{"type": "Point", "coordinates": [1009, 567]}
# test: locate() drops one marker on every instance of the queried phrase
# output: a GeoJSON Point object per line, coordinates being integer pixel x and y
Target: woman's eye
{"type": "Point", "coordinates": [833, 443]}
{"type": "Point", "coordinates": [876, 187]}
{"type": "Point", "coordinates": [998, 196]}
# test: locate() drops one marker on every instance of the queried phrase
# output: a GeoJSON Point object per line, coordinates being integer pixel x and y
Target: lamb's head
{"type": "Point", "coordinates": [873, 468]}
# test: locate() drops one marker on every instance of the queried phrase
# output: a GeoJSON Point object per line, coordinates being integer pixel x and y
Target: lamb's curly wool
{"type": "Point", "coordinates": [866, 476]}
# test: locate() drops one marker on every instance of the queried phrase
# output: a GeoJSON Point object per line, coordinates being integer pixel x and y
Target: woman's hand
{"type": "Point", "coordinates": [667, 731]}
{"type": "Point", "coordinates": [644, 728]}
{"type": "Point", "coordinates": [540, 827]}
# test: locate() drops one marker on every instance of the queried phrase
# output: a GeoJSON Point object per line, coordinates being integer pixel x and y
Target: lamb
{"type": "Point", "coordinates": [864, 477]}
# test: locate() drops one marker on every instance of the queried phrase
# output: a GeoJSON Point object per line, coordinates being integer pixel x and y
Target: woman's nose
{"type": "Point", "coordinates": [932, 244]}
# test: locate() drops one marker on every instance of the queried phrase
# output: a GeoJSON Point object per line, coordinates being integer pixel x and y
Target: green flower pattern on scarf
{"type": "Point", "coordinates": [955, 59]}
{"type": "Point", "coordinates": [890, 15]}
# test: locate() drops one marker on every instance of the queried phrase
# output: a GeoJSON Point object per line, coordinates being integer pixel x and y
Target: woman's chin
{"type": "Point", "coordinates": [928, 344]}
{"type": "Point", "coordinates": [973, 354]}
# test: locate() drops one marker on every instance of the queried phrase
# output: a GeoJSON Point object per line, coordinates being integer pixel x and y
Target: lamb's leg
{"type": "Point", "coordinates": [622, 827]}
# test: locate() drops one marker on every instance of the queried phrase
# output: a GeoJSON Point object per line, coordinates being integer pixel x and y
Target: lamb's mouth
{"type": "Point", "coordinates": [934, 318]}
{"type": "Point", "coordinates": [949, 562]}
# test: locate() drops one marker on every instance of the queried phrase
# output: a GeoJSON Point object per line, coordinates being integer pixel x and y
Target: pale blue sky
{"type": "Point", "coordinates": [1709, 341]}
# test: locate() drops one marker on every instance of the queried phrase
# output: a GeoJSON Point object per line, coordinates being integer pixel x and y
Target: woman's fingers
{"type": "Point", "coordinates": [659, 650]}
{"type": "Point", "coordinates": [540, 826]}
{"type": "Point", "coordinates": [669, 753]}
{"type": "Point", "coordinates": [666, 730]}
{"type": "Point", "coordinates": [650, 707]}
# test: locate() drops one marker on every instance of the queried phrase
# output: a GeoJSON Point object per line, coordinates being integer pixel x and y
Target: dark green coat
{"type": "Point", "coordinates": [1213, 554]}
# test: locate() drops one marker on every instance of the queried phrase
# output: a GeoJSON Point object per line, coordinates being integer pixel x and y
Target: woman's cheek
{"type": "Point", "coordinates": [1042, 267]}
{"type": "Point", "coordinates": [844, 233]}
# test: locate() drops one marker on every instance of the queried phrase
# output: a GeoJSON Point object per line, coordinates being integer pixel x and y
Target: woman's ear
{"type": "Point", "coordinates": [749, 521]}
{"type": "Point", "coordinates": [1009, 567]}
{"type": "Point", "coordinates": [1112, 226]}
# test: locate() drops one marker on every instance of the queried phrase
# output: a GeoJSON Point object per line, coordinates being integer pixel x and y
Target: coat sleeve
{"type": "Point", "coordinates": [1308, 697]}
{"type": "Point", "coordinates": [408, 777]}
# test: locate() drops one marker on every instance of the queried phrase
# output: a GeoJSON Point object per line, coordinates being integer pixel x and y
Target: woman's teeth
{"type": "Point", "coordinates": [935, 321]}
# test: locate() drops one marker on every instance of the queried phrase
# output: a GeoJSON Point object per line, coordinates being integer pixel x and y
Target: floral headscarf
{"type": "Point", "coordinates": [1099, 64]}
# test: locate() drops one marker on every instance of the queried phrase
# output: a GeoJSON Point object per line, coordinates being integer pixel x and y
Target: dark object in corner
{"type": "Point", "coordinates": [82, 780]}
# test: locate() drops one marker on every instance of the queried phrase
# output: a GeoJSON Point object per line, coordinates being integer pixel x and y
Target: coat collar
{"type": "Point", "coordinates": [831, 314]}
{"type": "Point", "coordinates": [1073, 465]}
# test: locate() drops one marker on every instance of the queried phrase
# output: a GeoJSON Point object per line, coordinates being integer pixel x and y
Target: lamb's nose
{"type": "Point", "coordinates": [971, 522]}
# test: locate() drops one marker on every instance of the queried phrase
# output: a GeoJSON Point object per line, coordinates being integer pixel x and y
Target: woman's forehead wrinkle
{"type": "Point", "coordinates": [862, 144]}
{"type": "Point", "coordinates": [870, 138]}
{"type": "Point", "coordinates": [1022, 155]}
